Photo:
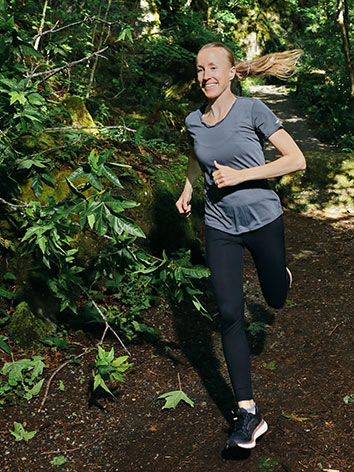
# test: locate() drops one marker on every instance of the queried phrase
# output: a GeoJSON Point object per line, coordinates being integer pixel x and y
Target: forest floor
{"type": "Point", "coordinates": [302, 371]}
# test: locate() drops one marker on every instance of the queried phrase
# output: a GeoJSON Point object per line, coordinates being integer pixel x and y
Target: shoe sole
{"type": "Point", "coordinates": [261, 429]}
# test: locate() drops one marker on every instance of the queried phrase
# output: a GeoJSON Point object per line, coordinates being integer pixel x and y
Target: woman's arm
{"type": "Point", "coordinates": [193, 172]}
{"type": "Point", "coordinates": [290, 161]}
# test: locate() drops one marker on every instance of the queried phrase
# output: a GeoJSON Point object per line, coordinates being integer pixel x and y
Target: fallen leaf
{"type": "Point", "coordinates": [173, 398]}
{"type": "Point", "coordinates": [292, 416]}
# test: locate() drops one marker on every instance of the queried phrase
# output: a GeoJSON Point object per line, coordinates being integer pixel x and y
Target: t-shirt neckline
{"type": "Point", "coordinates": [220, 121]}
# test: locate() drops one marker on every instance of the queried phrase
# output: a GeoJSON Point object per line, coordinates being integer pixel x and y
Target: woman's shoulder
{"type": "Point", "coordinates": [248, 102]}
{"type": "Point", "coordinates": [194, 116]}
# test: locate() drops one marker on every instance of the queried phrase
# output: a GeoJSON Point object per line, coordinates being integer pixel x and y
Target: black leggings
{"type": "Point", "coordinates": [224, 254]}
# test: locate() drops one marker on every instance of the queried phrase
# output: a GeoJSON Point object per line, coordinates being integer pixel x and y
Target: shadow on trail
{"type": "Point", "coordinates": [196, 335]}
{"type": "Point", "coordinates": [195, 338]}
{"type": "Point", "coordinates": [256, 328]}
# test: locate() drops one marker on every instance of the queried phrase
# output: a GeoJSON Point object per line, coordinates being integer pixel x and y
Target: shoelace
{"type": "Point", "coordinates": [240, 422]}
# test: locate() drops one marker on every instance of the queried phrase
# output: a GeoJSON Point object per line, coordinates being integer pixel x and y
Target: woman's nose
{"type": "Point", "coordinates": [206, 75]}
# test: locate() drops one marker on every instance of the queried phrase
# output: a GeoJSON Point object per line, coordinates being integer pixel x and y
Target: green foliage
{"type": "Point", "coordinates": [57, 461]}
{"type": "Point", "coordinates": [349, 399]}
{"type": "Point", "coordinates": [20, 434]}
{"type": "Point", "coordinates": [56, 342]}
{"type": "Point", "coordinates": [109, 368]}
{"type": "Point", "coordinates": [3, 344]}
{"type": "Point", "coordinates": [256, 327]}
{"type": "Point", "coordinates": [266, 464]}
{"type": "Point", "coordinates": [173, 398]}
{"type": "Point", "coordinates": [176, 276]}
{"type": "Point", "coordinates": [269, 365]}
{"type": "Point", "coordinates": [323, 85]}
{"type": "Point", "coordinates": [326, 183]}
{"type": "Point", "coordinates": [23, 378]}
{"type": "Point", "coordinates": [25, 328]}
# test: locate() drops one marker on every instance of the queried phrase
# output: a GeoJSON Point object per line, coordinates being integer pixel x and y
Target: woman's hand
{"type": "Point", "coordinates": [225, 176]}
{"type": "Point", "coordinates": [183, 203]}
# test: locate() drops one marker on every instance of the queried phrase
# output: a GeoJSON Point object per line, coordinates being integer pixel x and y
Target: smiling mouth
{"type": "Point", "coordinates": [208, 86]}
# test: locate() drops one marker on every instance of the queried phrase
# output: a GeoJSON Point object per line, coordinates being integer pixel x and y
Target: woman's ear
{"type": "Point", "coordinates": [232, 72]}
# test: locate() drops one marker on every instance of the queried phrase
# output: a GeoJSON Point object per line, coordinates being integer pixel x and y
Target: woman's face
{"type": "Point", "coordinates": [214, 71]}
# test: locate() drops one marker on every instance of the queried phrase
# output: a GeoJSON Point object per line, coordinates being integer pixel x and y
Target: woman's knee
{"type": "Point", "coordinates": [232, 317]}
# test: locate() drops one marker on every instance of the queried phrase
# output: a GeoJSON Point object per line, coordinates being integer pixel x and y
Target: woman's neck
{"type": "Point", "coordinates": [219, 107]}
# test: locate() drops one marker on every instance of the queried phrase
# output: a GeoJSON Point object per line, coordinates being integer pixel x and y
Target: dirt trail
{"type": "Point", "coordinates": [284, 106]}
{"type": "Point", "coordinates": [301, 373]}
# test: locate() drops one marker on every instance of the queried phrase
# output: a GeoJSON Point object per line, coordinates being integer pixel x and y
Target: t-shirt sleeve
{"type": "Point", "coordinates": [187, 124]}
{"type": "Point", "coordinates": [265, 121]}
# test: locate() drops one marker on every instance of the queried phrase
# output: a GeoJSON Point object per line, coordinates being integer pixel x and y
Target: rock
{"type": "Point", "coordinates": [326, 184]}
{"type": "Point", "coordinates": [79, 114]}
{"type": "Point", "coordinates": [25, 328]}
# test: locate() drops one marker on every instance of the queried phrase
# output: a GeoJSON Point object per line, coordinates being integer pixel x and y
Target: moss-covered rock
{"type": "Point", "coordinates": [326, 184]}
{"type": "Point", "coordinates": [39, 141]}
{"type": "Point", "coordinates": [170, 230]}
{"type": "Point", "coordinates": [59, 191]}
{"type": "Point", "coordinates": [79, 114]}
{"type": "Point", "coordinates": [25, 328]}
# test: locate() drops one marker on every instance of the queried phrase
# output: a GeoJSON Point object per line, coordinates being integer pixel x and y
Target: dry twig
{"type": "Point", "coordinates": [52, 72]}
{"type": "Point", "coordinates": [55, 373]}
{"type": "Point", "coordinates": [336, 326]}
{"type": "Point", "coordinates": [87, 19]}
{"type": "Point", "coordinates": [107, 326]}
{"type": "Point", "coordinates": [89, 127]}
{"type": "Point", "coordinates": [12, 205]}
{"type": "Point", "coordinates": [64, 451]}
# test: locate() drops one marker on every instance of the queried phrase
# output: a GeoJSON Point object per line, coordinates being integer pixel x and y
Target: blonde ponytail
{"type": "Point", "coordinates": [278, 64]}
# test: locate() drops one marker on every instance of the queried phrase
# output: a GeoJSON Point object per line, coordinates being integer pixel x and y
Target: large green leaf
{"type": "Point", "coordinates": [173, 398]}
{"type": "Point", "coordinates": [110, 175]}
{"type": "Point", "coordinates": [121, 224]}
{"type": "Point", "coordinates": [197, 272]}
{"type": "Point", "coordinates": [94, 181]}
{"type": "Point", "coordinates": [6, 293]}
{"type": "Point", "coordinates": [98, 209]}
{"type": "Point", "coordinates": [74, 189]}
{"type": "Point", "coordinates": [3, 345]}
{"type": "Point", "coordinates": [14, 370]}
{"type": "Point", "coordinates": [119, 205]}
{"type": "Point", "coordinates": [20, 434]}
{"type": "Point", "coordinates": [38, 366]}
{"type": "Point", "coordinates": [37, 184]}
{"type": "Point", "coordinates": [34, 390]}
{"type": "Point", "coordinates": [79, 172]}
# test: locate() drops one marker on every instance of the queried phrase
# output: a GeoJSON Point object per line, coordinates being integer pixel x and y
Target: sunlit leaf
{"type": "Point", "coordinates": [173, 398]}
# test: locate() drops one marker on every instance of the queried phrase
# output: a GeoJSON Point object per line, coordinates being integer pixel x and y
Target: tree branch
{"type": "Point", "coordinates": [55, 373]}
{"type": "Point", "coordinates": [87, 19]}
{"type": "Point", "coordinates": [51, 72]}
{"type": "Point", "coordinates": [107, 326]}
{"type": "Point", "coordinates": [13, 205]}
{"type": "Point", "coordinates": [38, 37]}
{"type": "Point", "coordinates": [89, 127]}
{"type": "Point", "coordinates": [64, 451]}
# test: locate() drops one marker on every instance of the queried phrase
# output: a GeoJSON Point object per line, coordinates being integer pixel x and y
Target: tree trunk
{"type": "Point", "coordinates": [342, 19]}
{"type": "Point", "coordinates": [100, 42]}
{"type": "Point", "coordinates": [36, 44]}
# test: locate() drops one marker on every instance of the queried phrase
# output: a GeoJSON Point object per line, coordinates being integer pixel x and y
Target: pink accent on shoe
{"type": "Point", "coordinates": [261, 429]}
{"type": "Point", "coordinates": [290, 277]}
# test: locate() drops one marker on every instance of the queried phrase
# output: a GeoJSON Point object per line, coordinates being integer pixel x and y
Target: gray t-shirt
{"type": "Point", "coordinates": [236, 141]}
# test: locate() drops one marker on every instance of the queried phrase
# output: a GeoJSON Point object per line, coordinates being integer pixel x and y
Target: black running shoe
{"type": "Point", "coordinates": [247, 429]}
